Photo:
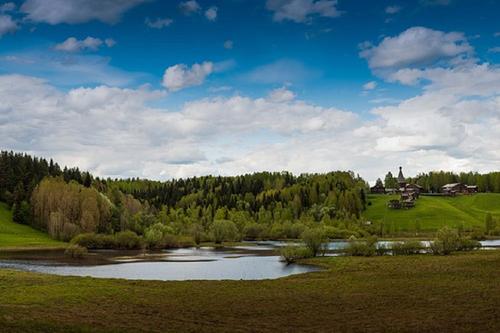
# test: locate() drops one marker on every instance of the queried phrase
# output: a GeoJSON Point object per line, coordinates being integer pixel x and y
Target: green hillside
{"type": "Point", "coordinates": [17, 235]}
{"type": "Point", "coordinates": [431, 213]}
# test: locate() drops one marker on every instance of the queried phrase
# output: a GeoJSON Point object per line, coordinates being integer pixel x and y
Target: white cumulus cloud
{"type": "Point", "coordinates": [180, 76]}
{"type": "Point", "coordinates": [90, 43]}
{"type": "Point", "coordinates": [416, 46]}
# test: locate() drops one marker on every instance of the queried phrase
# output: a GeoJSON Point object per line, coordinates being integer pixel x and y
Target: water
{"type": "Point", "coordinates": [255, 261]}
{"type": "Point", "coordinates": [184, 264]}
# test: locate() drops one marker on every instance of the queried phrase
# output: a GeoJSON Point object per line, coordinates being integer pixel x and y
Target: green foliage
{"type": "Point", "coordinates": [253, 231]}
{"type": "Point", "coordinates": [224, 231]}
{"type": "Point", "coordinates": [291, 253]}
{"type": "Point", "coordinates": [94, 241]}
{"type": "Point", "coordinates": [127, 240]}
{"type": "Point", "coordinates": [315, 240]}
{"type": "Point", "coordinates": [366, 248]}
{"type": "Point", "coordinates": [154, 235]}
{"type": "Point", "coordinates": [65, 210]}
{"type": "Point", "coordinates": [21, 212]}
{"type": "Point", "coordinates": [448, 240]}
{"type": "Point", "coordinates": [76, 251]}
{"type": "Point", "coordinates": [406, 248]}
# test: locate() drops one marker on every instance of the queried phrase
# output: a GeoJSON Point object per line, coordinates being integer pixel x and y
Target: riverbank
{"type": "Point", "coordinates": [419, 293]}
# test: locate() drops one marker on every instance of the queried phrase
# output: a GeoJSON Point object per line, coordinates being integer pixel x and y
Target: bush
{"type": "Point", "coordinates": [293, 230]}
{"type": "Point", "coordinates": [198, 233]}
{"type": "Point", "coordinates": [127, 240]}
{"type": "Point", "coordinates": [76, 251]}
{"type": "Point", "coordinates": [94, 241]}
{"type": "Point", "coordinates": [447, 241]}
{"type": "Point", "coordinates": [315, 240]}
{"type": "Point", "coordinates": [253, 231]}
{"type": "Point", "coordinates": [467, 244]}
{"type": "Point", "coordinates": [365, 248]}
{"type": "Point", "coordinates": [224, 231]}
{"type": "Point", "coordinates": [185, 241]}
{"type": "Point", "coordinates": [360, 249]}
{"type": "Point", "coordinates": [291, 253]}
{"type": "Point", "coordinates": [154, 235]}
{"type": "Point", "coordinates": [406, 248]}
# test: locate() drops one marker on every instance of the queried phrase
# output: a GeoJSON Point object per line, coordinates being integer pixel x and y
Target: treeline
{"type": "Point", "coordinates": [277, 205]}
{"type": "Point", "coordinates": [336, 192]}
{"type": "Point", "coordinates": [21, 173]}
{"type": "Point", "coordinates": [433, 181]}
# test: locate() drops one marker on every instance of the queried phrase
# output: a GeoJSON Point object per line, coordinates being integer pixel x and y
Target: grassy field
{"type": "Point", "coordinates": [17, 235]}
{"type": "Point", "coordinates": [458, 293]}
{"type": "Point", "coordinates": [431, 213]}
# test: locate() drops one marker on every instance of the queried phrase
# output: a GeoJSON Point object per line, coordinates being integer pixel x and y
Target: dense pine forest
{"type": "Point", "coordinates": [67, 202]}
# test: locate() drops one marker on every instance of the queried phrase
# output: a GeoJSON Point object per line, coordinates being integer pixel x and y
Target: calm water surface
{"type": "Point", "coordinates": [182, 264]}
{"type": "Point", "coordinates": [256, 261]}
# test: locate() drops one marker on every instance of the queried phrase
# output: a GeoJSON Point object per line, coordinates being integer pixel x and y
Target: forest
{"type": "Point", "coordinates": [67, 202]}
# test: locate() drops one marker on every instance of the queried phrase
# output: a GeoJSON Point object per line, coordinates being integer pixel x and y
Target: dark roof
{"type": "Point", "coordinates": [401, 178]}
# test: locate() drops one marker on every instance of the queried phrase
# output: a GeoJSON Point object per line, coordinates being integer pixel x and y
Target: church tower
{"type": "Point", "coordinates": [401, 178]}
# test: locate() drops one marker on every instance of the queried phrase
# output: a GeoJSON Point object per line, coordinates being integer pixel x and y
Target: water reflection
{"type": "Point", "coordinates": [183, 264]}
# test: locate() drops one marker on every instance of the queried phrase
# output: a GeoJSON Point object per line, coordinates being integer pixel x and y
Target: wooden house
{"type": "Point", "coordinates": [454, 189]}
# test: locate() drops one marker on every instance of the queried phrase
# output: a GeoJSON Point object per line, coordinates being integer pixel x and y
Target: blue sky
{"type": "Point", "coordinates": [333, 58]}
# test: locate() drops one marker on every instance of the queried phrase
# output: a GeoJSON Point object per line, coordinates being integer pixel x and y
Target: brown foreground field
{"type": "Point", "coordinates": [458, 293]}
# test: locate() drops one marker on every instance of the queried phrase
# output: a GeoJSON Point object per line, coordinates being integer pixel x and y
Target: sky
{"type": "Point", "coordinates": [168, 89]}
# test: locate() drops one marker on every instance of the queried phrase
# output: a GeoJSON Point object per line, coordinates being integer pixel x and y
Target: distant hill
{"type": "Point", "coordinates": [431, 213]}
{"type": "Point", "coordinates": [18, 235]}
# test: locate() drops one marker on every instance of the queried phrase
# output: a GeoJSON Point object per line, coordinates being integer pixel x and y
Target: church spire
{"type": "Point", "coordinates": [401, 178]}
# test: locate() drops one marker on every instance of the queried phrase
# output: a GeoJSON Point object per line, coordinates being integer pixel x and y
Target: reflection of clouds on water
{"type": "Point", "coordinates": [181, 264]}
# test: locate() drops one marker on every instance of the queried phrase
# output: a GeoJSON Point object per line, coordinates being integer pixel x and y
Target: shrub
{"type": "Point", "coordinates": [315, 240]}
{"type": "Point", "coordinates": [155, 236]}
{"type": "Point", "coordinates": [170, 241]}
{"type": "Point", "coordinates": [406, 248]}
{"type": "Point", "coordinates": [447, 241]}
{"type": "Point", "coordinates": [277, 231]}
{"type": "Point", "coordinates": [75, 251]}
{"type": "Point", "coordinates": [253, 231]}
{"type": "Point", "coordinates": [293, 230]}
{"type": "Point", "coordinates": [360, 249]}
{"type": "Point", "coordinates": [94, 241]}
{"type": "Point", "coordinates": [365, 248]}
{"type": "Point", "coordinates": [291, 253]}
{"type": "Point", "coordinates": [467, 244]}
{"type": "Point", "coordinates": [198, 233]}
{"type": "Point", "coordinates": [185, 241]}
{"type": "Point", "coordinates": [223, 231]}
{"type": "Point", "coordinates": [127, 240]}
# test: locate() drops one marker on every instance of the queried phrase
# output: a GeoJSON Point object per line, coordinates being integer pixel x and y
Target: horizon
{"type": "Point", "coordinates": [162, 90]}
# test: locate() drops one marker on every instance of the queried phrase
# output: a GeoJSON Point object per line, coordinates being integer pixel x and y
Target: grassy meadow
{"type": "Point", "coordinates": [424, 293]}
{"type": "Point", "coordinates": [432, 212]}
{"type": "Point", "coordinates": [18, 235]}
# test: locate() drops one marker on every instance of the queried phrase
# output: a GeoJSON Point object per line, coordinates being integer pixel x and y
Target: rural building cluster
{"type": "Point", "coordinates": [410, 192]}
